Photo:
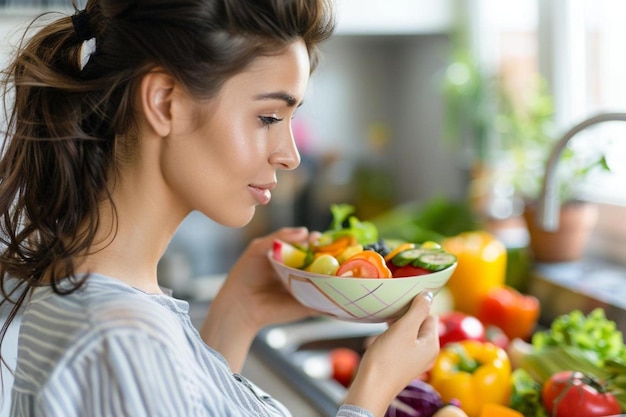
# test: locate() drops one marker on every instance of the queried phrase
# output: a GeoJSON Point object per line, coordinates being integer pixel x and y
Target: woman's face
{"type": "Point", "coordinates": [223, 162]}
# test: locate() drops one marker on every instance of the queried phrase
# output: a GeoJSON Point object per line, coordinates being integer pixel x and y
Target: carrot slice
{"type": "Point", "coordinates": [337, 246]}
{"type": "Point", "coordinates": [400, 248]}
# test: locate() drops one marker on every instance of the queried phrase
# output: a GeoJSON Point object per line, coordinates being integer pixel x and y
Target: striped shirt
{"type": "Point", "coordinates": [110, 350]}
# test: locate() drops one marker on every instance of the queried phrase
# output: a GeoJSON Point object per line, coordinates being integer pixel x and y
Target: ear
{"type": "Point", "coordinates": [156, 101]}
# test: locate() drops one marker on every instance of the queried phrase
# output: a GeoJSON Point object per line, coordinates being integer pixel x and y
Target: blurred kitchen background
{"type": "Point", "coordinates": [422, 102]}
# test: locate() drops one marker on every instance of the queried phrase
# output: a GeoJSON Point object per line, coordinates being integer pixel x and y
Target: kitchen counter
{"type": "Point", "coordinates": [583, 285]}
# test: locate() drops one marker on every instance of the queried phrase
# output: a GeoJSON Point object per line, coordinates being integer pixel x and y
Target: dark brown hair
{"type": "Point", "coordinates": [65, 121]}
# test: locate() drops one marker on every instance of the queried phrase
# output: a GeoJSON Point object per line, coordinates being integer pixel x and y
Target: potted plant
{"type": "Point", "coordinates": [506, 132]}
{"type": "Point", "coordinates": [577, 217]}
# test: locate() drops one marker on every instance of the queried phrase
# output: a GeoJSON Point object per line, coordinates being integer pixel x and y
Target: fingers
{"type": "Point", "coordinates": [429, 326]}
{"type": "Point", "coordinates": [291, 234]}
{"type": "Point", "coordinates": [314, 236]}
{"type": "Point", "coordinates": [418, 325]}
{"type": "Point", "coordinates": [428, 339]}
{"type": "Point", "coordinates": [261, 245]}
{"type": "Point", "coordinates": [418, 311]}
{"type": "Point", "coordinates": [288, 234]}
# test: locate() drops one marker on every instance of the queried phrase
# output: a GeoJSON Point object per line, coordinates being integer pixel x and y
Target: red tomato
{"type": "Point", "coordinates": [455, 326]}
{"type": "Point", "coordinates": [358, 268]}
{"type": "Point", "coordinates": [409, 271]}
{"type": "Point", "coordinates": [344, 362]}
{"type": "Point", "coordinates": [572, 393]}
{"type": "Point", "coordinates": [366, 264]}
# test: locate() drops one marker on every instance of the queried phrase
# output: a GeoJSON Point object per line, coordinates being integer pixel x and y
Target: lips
{"type": "Point", "coordinates": [262, 192]}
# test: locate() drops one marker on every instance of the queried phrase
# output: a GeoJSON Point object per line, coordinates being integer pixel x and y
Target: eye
{"type": "Point", "coordinates": [269, 120]}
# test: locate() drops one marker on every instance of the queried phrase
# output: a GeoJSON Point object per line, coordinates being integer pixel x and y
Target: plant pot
{"type": "Point", "coordinates": [576, 222]}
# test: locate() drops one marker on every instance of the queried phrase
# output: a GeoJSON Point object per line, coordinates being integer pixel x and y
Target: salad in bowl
{"type": "Point", "coordinates": [353, 274]}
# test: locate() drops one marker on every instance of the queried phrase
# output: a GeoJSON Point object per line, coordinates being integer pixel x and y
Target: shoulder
{"type": "Point", "coordinates": [91, 328]}
{"type": "Point", "coordinates": [128, 337]}
{"type": "Point", "coordinates": [123, 368]}
{"type": "Point", "coordinates": [112, 306]}
{"type": "Point", "coordinates": [103, 306]}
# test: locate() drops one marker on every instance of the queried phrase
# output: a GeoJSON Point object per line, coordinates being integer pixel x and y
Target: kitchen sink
{"type": "Point", "coordinates": [298, 353]}
{"type": "Point", "coordinates": [583, 285]}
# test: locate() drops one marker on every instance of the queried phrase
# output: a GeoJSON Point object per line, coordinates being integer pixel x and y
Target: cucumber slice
{"type": "Point", "coordinates": [408, 256]}
{"type": "Point", "coordinates": [435, 261]}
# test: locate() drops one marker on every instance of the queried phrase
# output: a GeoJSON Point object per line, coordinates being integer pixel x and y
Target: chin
{"type": "Point", "coordinates": [237, 219]}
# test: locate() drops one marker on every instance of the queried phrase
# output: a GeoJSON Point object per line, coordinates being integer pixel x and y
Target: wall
{"type": "Point", "coordinates": [397, 80]}
{"type": "Point", "coordinates": [363, 81]}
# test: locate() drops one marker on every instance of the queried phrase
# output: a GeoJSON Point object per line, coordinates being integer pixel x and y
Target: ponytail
{"type": "Point", "coordinates": [54, 166]}
{"type": "Point", "coordinates": [53, 169]}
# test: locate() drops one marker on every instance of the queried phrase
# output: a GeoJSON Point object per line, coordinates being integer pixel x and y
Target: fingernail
{"type": "Point", "coordinates": [428, 296]}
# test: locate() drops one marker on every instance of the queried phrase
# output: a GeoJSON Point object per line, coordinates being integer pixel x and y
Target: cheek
{"type": "Point", "coordinates": [216, 158]}
{"type": "Point", "coordinates": [234, 150]}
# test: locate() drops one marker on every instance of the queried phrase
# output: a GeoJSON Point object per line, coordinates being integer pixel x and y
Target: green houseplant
{"type": "Point", "coordinates": [513, 136]}
{"type": "Point", "coordinates": [504, 132]}
{"type": "Point", "coordinates": [528, 133]}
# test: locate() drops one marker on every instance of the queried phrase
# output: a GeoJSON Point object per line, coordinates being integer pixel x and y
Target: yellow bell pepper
{"type": "Point", "coordinates": [474, 373]}
{"type": "Point", "coordinates": [481, 267]}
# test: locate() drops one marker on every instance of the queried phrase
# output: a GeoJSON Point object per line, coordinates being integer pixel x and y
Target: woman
{"type": "Point", "coordinates": [182, 105]}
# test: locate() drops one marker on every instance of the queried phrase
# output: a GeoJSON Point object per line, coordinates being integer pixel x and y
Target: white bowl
{"type": "Point", "coordinates": [366, 300]}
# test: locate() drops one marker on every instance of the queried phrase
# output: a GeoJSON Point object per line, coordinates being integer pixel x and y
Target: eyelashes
{"type": "Point", "coordinates": [266, 121]}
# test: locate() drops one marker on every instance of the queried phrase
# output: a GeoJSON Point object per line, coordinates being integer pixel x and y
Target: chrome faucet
{"type": "Point", "coordinates": [548, 204]}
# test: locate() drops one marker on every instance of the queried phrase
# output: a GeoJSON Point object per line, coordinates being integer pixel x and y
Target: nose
{"type": "Point", "coordinates": [286, 156]}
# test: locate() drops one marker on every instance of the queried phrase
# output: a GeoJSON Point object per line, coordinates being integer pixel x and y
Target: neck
{"type": "Point", "coordinates": [129, 245]}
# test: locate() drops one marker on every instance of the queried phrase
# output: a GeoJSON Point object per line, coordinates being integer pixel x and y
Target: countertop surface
{"type": "Point", "coordinates": [583, 285]}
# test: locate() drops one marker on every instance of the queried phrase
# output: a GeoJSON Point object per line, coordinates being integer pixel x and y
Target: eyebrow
{"type": "Point", "coordinates": [279, 95]}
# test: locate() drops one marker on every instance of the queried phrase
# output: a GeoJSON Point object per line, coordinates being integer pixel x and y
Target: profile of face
{"type": "Point", "coordinates": [223, 159]}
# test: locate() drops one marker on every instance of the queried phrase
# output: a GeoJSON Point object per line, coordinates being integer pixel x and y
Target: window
{"type": "Point", "coordinates": [577, 46]}
{"type": "Point", "coordinates": [581, 45]}
{"type": "Point", "coordinates": [604, 89]}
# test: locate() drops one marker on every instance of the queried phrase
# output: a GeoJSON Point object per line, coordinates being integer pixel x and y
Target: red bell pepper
{"type": "Point", "coordinates": [513, 312]}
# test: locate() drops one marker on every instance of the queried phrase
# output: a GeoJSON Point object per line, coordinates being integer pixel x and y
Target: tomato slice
{"type": "Point", "coordinates": [359, 268]}
{"type": "Point", "coordinates": [366, 264]}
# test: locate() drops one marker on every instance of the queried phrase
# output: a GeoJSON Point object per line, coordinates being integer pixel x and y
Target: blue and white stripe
{"type": "Point", "coordinates": [109, 350]}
